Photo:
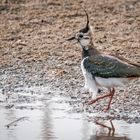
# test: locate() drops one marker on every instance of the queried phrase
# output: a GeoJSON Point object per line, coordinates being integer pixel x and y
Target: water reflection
{"type": "Point", "coordinates": [111, 128]}
{"type": "Point", "coordinates": [107, 132]}
{"type": "Point", "coordinates": [47, 133]}
{"type": "Point", "coordinates": [59, 124]}
{"type": "Point", "coordinates": [51, 119]}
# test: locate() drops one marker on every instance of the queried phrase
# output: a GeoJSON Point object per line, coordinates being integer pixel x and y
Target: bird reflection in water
{"type": "Point", "coordinates": [109, 134]}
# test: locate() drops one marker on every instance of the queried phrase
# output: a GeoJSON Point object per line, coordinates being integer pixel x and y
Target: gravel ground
{"type": "Point", "coordinates": [34, 51]}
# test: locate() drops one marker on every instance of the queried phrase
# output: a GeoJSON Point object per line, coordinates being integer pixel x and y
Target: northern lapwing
{"type": "Point", "coordinates": [102, 70]}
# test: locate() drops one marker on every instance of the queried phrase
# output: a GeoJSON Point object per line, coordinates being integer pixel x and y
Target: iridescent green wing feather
{"type": "Point", "coordinates": [108, 66]}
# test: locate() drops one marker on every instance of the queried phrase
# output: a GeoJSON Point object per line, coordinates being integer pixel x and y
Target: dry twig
{"type": "Point", "coordinates": [15, 121]}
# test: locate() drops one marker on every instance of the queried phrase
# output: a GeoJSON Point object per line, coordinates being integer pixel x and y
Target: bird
{"type": "Point", "coordinates": [100, 69]}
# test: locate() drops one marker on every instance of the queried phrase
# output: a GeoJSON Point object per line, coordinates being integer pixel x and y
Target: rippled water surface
{"type": "Point", "coordinates": [51, 118]}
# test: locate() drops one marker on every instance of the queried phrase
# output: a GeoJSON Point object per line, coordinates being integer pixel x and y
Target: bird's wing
{"type": "Point", "coordinates": [109, 66]}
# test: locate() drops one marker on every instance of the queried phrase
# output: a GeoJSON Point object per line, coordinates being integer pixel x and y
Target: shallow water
{"type": "Point", "coordinates": [50, 118]}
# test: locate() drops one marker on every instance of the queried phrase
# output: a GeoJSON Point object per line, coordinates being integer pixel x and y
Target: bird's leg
{"type": "Point", "coordinates": [111, 96]}
{"type": "Point", "coordinates": [100, 97]}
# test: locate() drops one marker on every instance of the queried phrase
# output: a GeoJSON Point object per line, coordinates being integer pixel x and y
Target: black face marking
{"type": "Point", "coordinates": [80, 35]}
{"type": "Point", "coordinates": [85, 53]}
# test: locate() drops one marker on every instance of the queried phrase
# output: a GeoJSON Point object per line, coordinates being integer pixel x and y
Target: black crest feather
{"type": "Point", "coordinates": [86, 29]}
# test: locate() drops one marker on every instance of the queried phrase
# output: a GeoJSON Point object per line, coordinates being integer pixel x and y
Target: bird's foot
{"type": "Point", "coordinates": [98, 98]}
{"type": "Point", "coordinates": [105, 110]}
{"type": "Point", "coordinates": [92, 101]}
{"type": "Point", "coordinates": [110, 95]}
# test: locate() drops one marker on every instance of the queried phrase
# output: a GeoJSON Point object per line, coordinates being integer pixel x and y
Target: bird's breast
{"type": "Point", "coordinates": [84, 71]}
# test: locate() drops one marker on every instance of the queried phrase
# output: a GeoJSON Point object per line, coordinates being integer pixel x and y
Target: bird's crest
{"type": "Point", "coordinates": [84, 30]}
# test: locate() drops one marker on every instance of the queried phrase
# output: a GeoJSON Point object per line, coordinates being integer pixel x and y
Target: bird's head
{"type": "Point", "coordinates": [84, 36]}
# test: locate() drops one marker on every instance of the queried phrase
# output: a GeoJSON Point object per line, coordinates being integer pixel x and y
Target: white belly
{"type": "Point", "coordinates": [111, 82]}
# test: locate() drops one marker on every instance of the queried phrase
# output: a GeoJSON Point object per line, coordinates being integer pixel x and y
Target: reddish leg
{"type": "Point", "coordinates": [111, 94]}
{"type": "Point", "coordinates": [111, 129]}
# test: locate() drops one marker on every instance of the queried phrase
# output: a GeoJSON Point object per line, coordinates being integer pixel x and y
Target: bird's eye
{"type": "Point", "coordinates": [80, 35]}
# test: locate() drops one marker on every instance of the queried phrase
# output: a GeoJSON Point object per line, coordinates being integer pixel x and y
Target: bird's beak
{"type": "Point", "coordinates": [71, 38]}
